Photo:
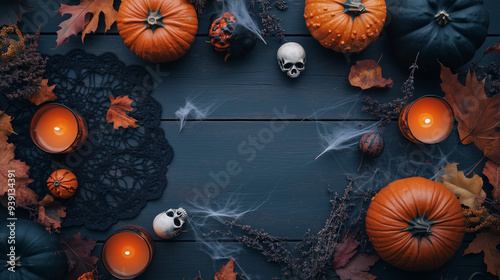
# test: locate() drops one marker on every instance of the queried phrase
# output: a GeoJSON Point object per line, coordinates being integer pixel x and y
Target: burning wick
{"type": "Point", "coordinates": [58, 131]}
{"type": "Point", "coordinates": [425, 120]}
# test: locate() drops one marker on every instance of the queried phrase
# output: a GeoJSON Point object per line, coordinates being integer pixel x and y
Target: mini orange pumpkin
{"type": "Point", "coordinates": [415, 224]}
{"type": "Point", "coordinates": [157, 30]}
{"type": "Point", "coordinates": [345, 25]}
{"type": "Point", "coordinates": [62, 183]}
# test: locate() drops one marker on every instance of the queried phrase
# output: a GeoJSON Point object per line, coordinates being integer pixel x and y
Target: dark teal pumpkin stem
{"type": "Point", "coordinates": [442, 18]}
{"type": "Point", "coordinates": [419, 227]}
{"type": "Point", "coordinates": [353, 7]}
{"type": "Point", "coordinates": [154, 20]}
{"type": "Point", "coordinates": [17, 261]}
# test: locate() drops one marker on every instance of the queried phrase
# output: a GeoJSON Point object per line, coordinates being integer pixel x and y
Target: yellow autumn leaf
{"type": "Point", "coordinates": [466, 189]}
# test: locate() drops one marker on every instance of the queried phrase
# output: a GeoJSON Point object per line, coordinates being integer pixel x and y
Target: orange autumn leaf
{"type": "Point", "coordinates": [84, 18]}
{"type": "Point", "coordinates": [5, 126]}
{"type": "Point", "coordinates": [477, 115]}
{"type": "Point", "coordinates": [44, 94]}
{"type": "Point", "coordinates": [9, 165]}
{"type": "Point", "coordinates": [51, 217]}
{"type": "Point", "coordinates": [366, 74]}
{"type": "Point", "coordinates": [226, 272]}
{"type": "Point", "coordinates": [487, 242]}
{"type": "Point", "coordinates": [117, 112]}
{"type": "Point", "coordinates": [492, 171]}
{"type": "Point", "coordinates": [87, 276]}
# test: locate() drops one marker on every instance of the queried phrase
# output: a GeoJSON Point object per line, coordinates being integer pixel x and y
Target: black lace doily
{"type": "Point", "coordinates": [118, 170]}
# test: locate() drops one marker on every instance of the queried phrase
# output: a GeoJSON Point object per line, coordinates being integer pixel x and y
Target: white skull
{"type": "Point", "coordinates": [292, 59]}
{"type": "Point", "coordinates": [168, 223]}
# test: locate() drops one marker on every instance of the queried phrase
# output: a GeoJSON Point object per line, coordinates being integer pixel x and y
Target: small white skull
{"type": "Point", "coordinates": [168, 223]}
{"type": "Point", "coordinates": [292, 59]}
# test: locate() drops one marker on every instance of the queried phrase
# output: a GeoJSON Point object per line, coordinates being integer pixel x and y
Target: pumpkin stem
{"type": "Point", "coordinates": [154, 20]}
{"type": "Point", "coordinates": [442, 18]}
{"type": "Point", "coordinates": [57, 183]}
{"type": "Point", "coordinates": [354, 7]}
{"type": "Point", "coordinates": [419, 227]}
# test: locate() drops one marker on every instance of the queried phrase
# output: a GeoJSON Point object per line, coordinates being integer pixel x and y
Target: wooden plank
{"type": "Point", "coordinates": [278, 170]}
{"type": "Point", "coordinates": [292, 20]}
{"type": "Point", "coordinates": [252, 86]}
{"type": "Point", "coordinates": [184, 260]}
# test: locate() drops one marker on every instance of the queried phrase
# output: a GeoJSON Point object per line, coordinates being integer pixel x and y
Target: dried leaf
{"type": "Point", "coordinates": [344, 252]}
{"type": "Point", "coordinates": [12, 11]}
{"type": "Point", "coordinates": [487, 242]}
{"type": "Point", "coordinates": [117, 112]}
{"type": "Point", "coordinates": [493, 49]}
{"type": "Point", "coordinates": [78, 249]}
{"type": "Point", "coordinates": [8, 163]}
{"type": "Point", "coordinates": [25, 197]}
{"type": "Point", "coordinates": [492, 171]}
{"type": "Point", "coordinates": [467, 189]}
{"type": "Point", "coordinates": [226, 272]}
{"type": "Point", "coordinates": [357, 268]}
{"type": "Point", "coordinates": [477, 115]}
{"type": "Point", "coordinates": [44, 94]}
{"type": "Point", "coordinates": [51, 217]}
{"type": "Point", "coordinates": [5, 126]}
{"type": "Point", "coordinates": [48, 200]}
{"type": "Point", "coordinates": [87, 276]}
{"type": "Point", "coordinates": [84, 18]}
{"type": "Point", "coordinates": [366, 74]}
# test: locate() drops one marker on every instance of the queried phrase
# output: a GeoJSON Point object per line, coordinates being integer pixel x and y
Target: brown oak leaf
{"type": "Point", "coordinates": [493, 49]}
{"type": "Point", "coordinates": [357, 268]}
{"type": "Point", "coordinates": [344, 252]}
{"type": "Point", "coordinates": [477, 115]}
{"type": "Point", "coordinates": [466, 189]}
{"type": "Point", "coordinates": [226, 272]}
{"type": "Point", "coordinates": [487, 242]}
{"type": "Point", "coordinates": [117, 112]}
{"type": "Point", "coordinates": [492, 171]}
{"type": "Point", "coordinates": [18, 168]}
{"type": "Point", "coordinates": [44, 94]}
{"type": "Point", "coordinates": [78, 250]}
{"type": "Point", "coordinates": [366, 74]}
{"type": "Point", "coordinates": [84, 18]}
{"type": "Point", "coordinates": [5, 126]}
{"type": "Point", "coordinates": [51, 217]}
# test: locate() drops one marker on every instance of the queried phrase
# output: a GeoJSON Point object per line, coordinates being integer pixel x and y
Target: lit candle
{"type": "Point", "coordinates": [57, 129]}
{"type": "Point", "coordinates": [427, 120]}
{"type": "Point", "coordinates": [128, 252]}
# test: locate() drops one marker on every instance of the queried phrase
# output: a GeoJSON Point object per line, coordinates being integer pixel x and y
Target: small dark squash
{"type": "Point", "coordinates": [371, 144]}
{"type": "Point", "coordinates": [446, 30]}
{"type": "Point", "coordinates": [38, 254]}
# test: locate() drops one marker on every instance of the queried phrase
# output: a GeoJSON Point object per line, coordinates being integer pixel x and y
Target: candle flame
{"type": "Point", "coordinates": [427, 120]}
{"type": "Point", "coordinates": [58, 130]}
{"type": "Point", "coordinates": [127, 253]}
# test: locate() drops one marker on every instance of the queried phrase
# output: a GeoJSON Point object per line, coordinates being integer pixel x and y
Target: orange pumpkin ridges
{"type": "Point", "coordinates": [157, 30]}
{"type": "Point", "coordinates": [345, 25]}
{"type": "Point", "coordinates": [62, 183]}
{"type": "Point", "coordinates": [415, 224]}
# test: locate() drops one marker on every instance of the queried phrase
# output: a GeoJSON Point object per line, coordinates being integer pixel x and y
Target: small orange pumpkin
{"type": "Point", "coordinates": [345, 25]}
{"type": "Point", "coordinates": [62, 183]}
{"type": "Point", "coordinates": [157, 30]}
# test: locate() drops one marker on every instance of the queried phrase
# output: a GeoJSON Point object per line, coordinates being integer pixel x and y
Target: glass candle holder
{"type": "Point", "coordinates": [427, 120]}
{"type": "Point", "coordinates": [128, 252]}
{"type": "Point", "coordinates": [56, 128]}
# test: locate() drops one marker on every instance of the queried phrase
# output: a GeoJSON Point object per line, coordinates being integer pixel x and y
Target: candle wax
{"type": "Point", "coordinates": [430, 120]}
{"type": "Point", "coordinates": [126, 254]}
{"type": "Point", "coordinates": [56, 129]}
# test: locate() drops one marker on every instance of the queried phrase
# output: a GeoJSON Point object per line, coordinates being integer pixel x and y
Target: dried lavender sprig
{"type": "Point", "coordinates": [270, 22]}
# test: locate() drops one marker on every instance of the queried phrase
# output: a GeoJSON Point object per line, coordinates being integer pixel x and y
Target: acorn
{"type": "Point", "coordinates": [371, 144]}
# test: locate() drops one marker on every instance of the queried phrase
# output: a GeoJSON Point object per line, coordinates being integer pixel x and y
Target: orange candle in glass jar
{"type": "Point", "coordinates": [128, 252]}
{"type": "Point", "coordinates": [427, 120]}
{"type": "Point", "coordinates": [57, 129]}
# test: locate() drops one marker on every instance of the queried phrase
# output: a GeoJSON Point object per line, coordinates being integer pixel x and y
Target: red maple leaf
{"type": "Point", "coordinates": [351, 265]}
{"type": "Point", "coordinates": [78, 249]}
{"type": "Point", "coordinates": [492, 171]}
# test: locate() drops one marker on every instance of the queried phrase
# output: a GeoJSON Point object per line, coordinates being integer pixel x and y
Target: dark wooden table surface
{"type": "Point", "coordinates": [279, 173]}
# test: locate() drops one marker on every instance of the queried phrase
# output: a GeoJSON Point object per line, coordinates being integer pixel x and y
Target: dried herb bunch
{"type": "Point", "coordinates": [481, 219]}
{"type": "Point", "coordinates": [199, 5]}
{"type": "Point", "coordinates": [391, 110]}
{"type": "Point", "coordinates": [271, 25]}
{"type": "Point", "coordinates": [311, 258]}
{"type": "Point", "coordinates": [21, 66]}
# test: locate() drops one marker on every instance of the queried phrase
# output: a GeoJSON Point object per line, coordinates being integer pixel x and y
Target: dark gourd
{"type": "Point", "coordinates": [38, 254]}
{"type": "Point", "coordinates": [446, 30]}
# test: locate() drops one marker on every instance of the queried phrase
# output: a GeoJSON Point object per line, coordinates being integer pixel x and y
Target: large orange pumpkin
{"type": "Point", "coordinates": [415, 224]}
{"type": "Point", "coordinates": [345, 25]}
{"type": "Point", "coordinates": [157, 30]}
